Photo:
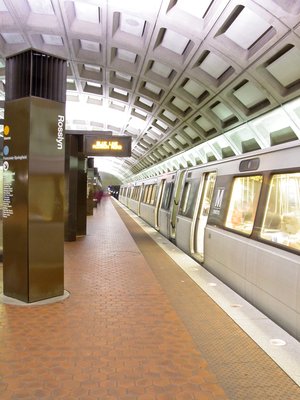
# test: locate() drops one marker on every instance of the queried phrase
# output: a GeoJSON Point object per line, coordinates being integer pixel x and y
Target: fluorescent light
{"type": "Point", "coordinates": [94, 84]}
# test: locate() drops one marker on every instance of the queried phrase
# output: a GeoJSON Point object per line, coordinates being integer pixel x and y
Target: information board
{"type": "Point", "coordinates": [108, 146]}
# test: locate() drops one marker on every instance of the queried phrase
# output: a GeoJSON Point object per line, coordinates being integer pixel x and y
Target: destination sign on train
{"type": "Point", "coordinates": [109, 146]}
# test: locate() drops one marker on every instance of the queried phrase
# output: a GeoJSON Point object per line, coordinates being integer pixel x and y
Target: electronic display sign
{"type": "Point", "coordinates": [107, 145]}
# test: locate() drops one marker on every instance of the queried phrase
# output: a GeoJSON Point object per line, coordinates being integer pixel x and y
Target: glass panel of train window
{"type": "Point", "coordinates": [167, 195]}
{"type": "Point", "coordinates": [184, 198]}
{"type": "Point", "coordinates": [145, 193]}
{"type": "Point", "coordinates": [282, 217]}
{"type": "Point", "coordinates": [243, 203]}
{"type": "Point", "coordinates": [153, 194]}
{"type": "Point", "coordinates": [149, 194]}
{"type": "Point", "coordinates": [206, 197]}
{"type": "Point", "coordinates": [192, 199]}
{"type": "Point", "coordinates": [146, 188]}
{"type": "Point", "coordinates": [207, 194]}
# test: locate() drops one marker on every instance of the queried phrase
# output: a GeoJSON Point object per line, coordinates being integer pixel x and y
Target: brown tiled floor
{"type": "Point", "coordinates": [244, 371]}
{"type": "Point", "coordinates": [116, 337]}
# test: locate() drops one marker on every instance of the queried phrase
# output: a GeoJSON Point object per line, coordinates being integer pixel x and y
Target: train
{"type": "Point", "coordinates": [240, 219]}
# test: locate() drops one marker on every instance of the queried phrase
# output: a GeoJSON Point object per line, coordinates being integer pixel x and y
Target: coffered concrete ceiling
{"type": "Point", "coordinates": [173, 74]}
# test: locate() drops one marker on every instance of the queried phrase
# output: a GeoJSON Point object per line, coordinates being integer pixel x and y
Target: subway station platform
{"type": "Point", "coordinates": [136, 326]}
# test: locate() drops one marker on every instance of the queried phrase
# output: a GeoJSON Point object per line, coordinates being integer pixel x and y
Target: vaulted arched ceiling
{"type": "Point", "coordinates": [173, 74]}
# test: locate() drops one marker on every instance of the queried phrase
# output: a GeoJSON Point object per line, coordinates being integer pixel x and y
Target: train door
{"type": "Point", "coordinates": [187, 209]}
{"type": "Point", "coordinates": [140, 195]}
{"type": "Point", "coordinates": [158, 202]}
{"type": "Point", "coordinates": [175, 204]}
{"type": "Point", "coordinates": [209, 180]}
{"type": "Point", "coordinates": [164, 214]}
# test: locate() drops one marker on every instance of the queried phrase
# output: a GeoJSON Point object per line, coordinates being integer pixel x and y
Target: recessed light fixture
{"type": "Point", "coordinates": [277, 342]}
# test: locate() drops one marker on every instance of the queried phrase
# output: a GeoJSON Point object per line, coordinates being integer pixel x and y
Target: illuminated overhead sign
{"type": "Point", "coordinates": [109, 146]}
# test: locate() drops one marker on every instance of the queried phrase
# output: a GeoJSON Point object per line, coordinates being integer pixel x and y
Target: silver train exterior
{"type": "Point", "coordinates": [239, 218]}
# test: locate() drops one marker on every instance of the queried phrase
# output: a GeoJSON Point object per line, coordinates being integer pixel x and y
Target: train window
{"type": "Point", "coordinates": [167, 195]}
{"type": "Point", "coordinates": [243, 203]}
{"type": "Point", "coordinates": [185, 194]}
{"type": "Point", "coordinates": [192, 199]}
{"type": "Point", "coordinates": [281, 222]}
{"type": "Point", "coordinates": [188, 200]}
{"type": "Point", "coordinates": [207, 194]}
{"type": "Point", "coordinates": [153, 194]}
{"type": "Point", "coordinates": [145, 193]}
{"type": "Point", "coordinates": [149, 194]}
{"type": "Point", "coordinates": [133, 193]}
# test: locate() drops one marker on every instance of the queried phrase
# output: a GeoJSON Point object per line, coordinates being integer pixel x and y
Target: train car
{"type": "Point", "coordinates": [197, 189]}
{"type": "Point", "coordinates": [124, 195]}
{"type": "Point", "coordinates": [134, 201]}
{"type": "Point", "coordinates": [150, 201]}
{"type": "Point", "coordinates": [168, 209]}
{"type": "Point", "coordinates": [239, 217]}
{"type": "Point", "coordinates": [252, 237]}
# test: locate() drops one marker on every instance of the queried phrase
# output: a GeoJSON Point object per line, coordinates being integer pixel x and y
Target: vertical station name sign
{"type": "Point", "coordinates": [107, 145]}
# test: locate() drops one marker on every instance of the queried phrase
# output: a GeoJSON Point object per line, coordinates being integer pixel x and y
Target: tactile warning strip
{"type": "Point", "coordinates": [243, 369]}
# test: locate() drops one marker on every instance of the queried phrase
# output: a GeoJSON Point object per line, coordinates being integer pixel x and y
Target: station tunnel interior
{"type": "Point", "coordinates": [189, 81]}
